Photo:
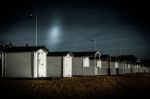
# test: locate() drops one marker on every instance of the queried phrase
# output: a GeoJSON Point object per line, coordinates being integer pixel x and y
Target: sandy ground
{"type": "Point", "coordinates": [101, 87]}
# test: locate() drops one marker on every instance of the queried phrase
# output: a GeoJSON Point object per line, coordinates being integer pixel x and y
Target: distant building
{"type": "Point", "coordinates": [127, 64]}
{"type": "Point", "coordinates": [145, 65]}
{"type": "Point", "coordinates": [59, 64]}
{"type": "Point", "coordinates": [24, 62]}
{"type": "Point", "coordinates": [86, 63]}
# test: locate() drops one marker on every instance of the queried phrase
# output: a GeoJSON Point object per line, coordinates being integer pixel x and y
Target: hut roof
{"type": "Point", "coordinates": [104, 56]}
{"type": "Point", "coordinates": [87, 53]}
{"type": "Point", "coordinates": [127, 58]}
{"type": "Point", "coordinates": [145, 63]}
{"type": "Point", "coordinates": [63, 53]}
{"type": "Point", "coordinates": [114, 59]}
{"type": "Point", "coordinates": [24, 49]}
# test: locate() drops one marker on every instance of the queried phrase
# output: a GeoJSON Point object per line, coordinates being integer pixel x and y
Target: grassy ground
{"type": "Point", "coordinates": [118, 87]}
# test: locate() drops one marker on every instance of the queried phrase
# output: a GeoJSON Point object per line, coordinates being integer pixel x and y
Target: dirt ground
{"type": "Point", "coordinates": [100, 87]}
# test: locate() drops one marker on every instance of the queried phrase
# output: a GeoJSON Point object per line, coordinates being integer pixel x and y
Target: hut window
{"type": "Point", "coordinates": [116, 64]}
{"type": "Point", "coordinates": [86, 62]}
{"type": "Point", "coordinates": [128, 66]}
{"type": "Point", "coordinates": [137, 66]}
{"type": "Point", "coordinates": [99, 63]}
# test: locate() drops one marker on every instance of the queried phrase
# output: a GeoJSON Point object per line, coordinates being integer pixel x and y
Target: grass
{"type": "Point", "coordinates": [118, 87]}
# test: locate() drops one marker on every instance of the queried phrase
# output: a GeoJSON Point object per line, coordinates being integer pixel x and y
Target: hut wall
{"type": "Point", "coordinates": [18, 65]}
{"type": "Point", "coordinates": [104, 69]}
{"type": "Point", "coordinates": [89, 71]}
{"type": "Point", "coordinates": [77, 66]}
{"type": "Point", "coordinates": [121, 67]}
{"type": "Point", "coordinates": [54, 66]}
{"type": "Point", "coordinates": [112, 69]}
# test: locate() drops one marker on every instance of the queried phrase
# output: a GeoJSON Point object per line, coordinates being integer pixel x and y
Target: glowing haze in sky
{"type": "Point", "coordinates": [54, 33]}
{"type": "Point", "coordinates": [70, 25]}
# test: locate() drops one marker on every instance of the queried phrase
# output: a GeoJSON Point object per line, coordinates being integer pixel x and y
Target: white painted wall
{"type": "Point", "coordinates": [40, 63]}
{"type": "Point", "coordinates": [98, 63]}
{"type": "Point", "coordinates": [67, 66]}
{"type": "Point", "coordinates": [35, 65]}
{"type": "Point", "coordinates": [86, 62]}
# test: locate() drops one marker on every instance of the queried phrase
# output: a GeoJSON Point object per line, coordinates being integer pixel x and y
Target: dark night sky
{"type": "Point", "coordinates": [70, 25]}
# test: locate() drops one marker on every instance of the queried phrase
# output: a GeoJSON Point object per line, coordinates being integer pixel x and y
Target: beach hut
{"type": "Point", "coordinates": [24, 62]}
{"type": "Point", "coordinates": [59, 64]}
{"type": "Point", "coordinates": [86, 63]}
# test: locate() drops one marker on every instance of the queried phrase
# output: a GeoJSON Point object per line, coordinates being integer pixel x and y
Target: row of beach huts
{"type": "Point", "coordinates": [37, 62]}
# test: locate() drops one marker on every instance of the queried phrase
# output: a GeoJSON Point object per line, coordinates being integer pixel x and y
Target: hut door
{"type": "Point", "coordinates": [41, 64]}
{"type": "Point", "coordinates": [67, 66]}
